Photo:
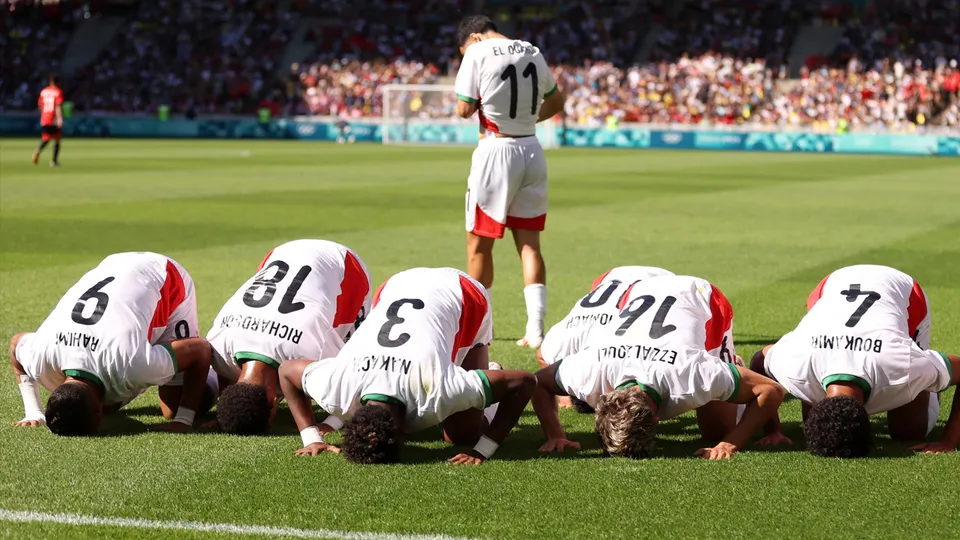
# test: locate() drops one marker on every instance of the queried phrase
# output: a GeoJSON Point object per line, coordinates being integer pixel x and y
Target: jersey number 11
{"type": "Point", "coordinates": [510, 74]}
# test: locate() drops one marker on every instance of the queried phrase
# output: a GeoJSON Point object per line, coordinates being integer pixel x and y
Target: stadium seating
{"type": "Point", "coordinates": [718, 62]}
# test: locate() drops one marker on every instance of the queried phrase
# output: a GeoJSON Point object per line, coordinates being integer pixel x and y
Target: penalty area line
{"type": "Point", "coordinates": [16, 516]}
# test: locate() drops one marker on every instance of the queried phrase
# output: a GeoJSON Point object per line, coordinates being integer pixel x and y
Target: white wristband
{"type": "Point", "coordinates": [486, 447]}
{"type": "Point", "coordinates": [310, 435]}
{"type": "Point", "coordinates": [185, 416]}
{"type": "Point", "coordinates": [32, 410]}
{"type": "Point", "coordinates": [334, 422]}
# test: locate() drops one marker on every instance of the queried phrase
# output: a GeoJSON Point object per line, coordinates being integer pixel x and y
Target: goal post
{"type": "Point", "coordinates": [427, 114]}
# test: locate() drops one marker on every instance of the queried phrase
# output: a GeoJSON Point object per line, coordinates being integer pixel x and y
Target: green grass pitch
{"type": "Point", "coordinates": [763, 227]}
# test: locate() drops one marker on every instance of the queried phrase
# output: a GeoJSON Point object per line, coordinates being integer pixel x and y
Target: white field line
{"type": "Point", "coordinates": [196, 526]}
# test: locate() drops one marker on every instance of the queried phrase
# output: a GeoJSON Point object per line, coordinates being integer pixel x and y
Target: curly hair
{"type": "Point", "coordinates": [72, 411]}
{"type": "Point", "coordinates": [838, 427]}
{"type": "Point", "coordinates": [243, 409]}
{"type": "Point", "coordinates": [626, 424]}
{"type": "Point", "coordinates": [581, 406]}
{"type": "Point", "coordinates": [371, 436]}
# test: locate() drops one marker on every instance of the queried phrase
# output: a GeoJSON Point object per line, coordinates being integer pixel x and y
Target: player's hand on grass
{"type": "Point", "coordinates": [174, 427]}
{"type": "Point", "coordinates": [774, 439]}
{"type": "Point", "coordinates": [559, 445]}
{"type": "Point", "coordinates": [28, 422]}
{"type": "Point", "coordinates": [467, 458]}
{"type": "Point", "coordinates": [317, 448]}
{"type": "Point", "coordinates": [934, 448]}
{"type": "Point", "coordinates": [718, 452]}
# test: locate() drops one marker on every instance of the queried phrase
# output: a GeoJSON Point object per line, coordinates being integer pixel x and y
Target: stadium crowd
{"type": "Point", "coordinates": [713, 61]}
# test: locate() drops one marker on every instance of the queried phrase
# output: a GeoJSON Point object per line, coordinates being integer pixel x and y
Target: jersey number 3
{"type": "Point", "coordinates": [530, 72]}
{"type": "Point", "coordinates": [269, 286]}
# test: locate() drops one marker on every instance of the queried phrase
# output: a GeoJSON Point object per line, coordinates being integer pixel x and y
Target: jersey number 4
{"type": "Point", "coordinates": [853, 294]}
{"type": "Point", "coordinates": [530, 72]}
{"type": "Point", "coordinates": [269, 286]}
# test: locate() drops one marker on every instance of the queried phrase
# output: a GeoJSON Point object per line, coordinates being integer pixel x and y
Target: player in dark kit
{"type": "Point", "coordinates": [51, 120]}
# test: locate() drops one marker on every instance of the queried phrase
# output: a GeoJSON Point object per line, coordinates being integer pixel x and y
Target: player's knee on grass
{"type": "Point", "coordinates": [838, 427]}
{"type": "Point", "coordinates": [626, 424]}
{"type": "Point", "coordinates": [464, 427]}
{"type": "Point", "coordinates": [372, 436]}
{"type": "Point", "coordinates": [244, 409]}
{"type": "Point", "coordinates": [73, 410]}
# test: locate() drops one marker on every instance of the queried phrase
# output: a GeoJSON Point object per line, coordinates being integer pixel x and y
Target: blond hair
{"type": "Point", "coordinates": [626, 423]}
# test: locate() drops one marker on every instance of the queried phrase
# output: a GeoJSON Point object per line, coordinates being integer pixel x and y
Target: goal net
{"type": "Point", "coordinates": [427, 114]}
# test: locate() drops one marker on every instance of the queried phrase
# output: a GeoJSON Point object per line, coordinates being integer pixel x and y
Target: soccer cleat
{"type": "Point", "coordinates": [533, 342]}
{"type": "Point", "coordinates": [36, 157]}
{"type": "Point", "coordinates": [495, 366]}
{"type": "Point", "coordinates": [54, 164]}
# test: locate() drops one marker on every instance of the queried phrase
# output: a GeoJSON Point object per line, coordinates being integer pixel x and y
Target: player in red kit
{"type": "Point", "coordinates": [51, 120]}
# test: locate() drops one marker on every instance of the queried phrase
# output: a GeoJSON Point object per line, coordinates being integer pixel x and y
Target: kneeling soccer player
{"type": "Point", "coordinates": [402, 373]}
{"type": "Point", "coordinates": [652, 365]}
{"type": "Point", "coordinates": [112, 335]}
{"type": "Point", "coordinates": [598, 307]}
{"type": "Point", "coordinates": [305, 300]}
{"type": "Point", "coordinates": [863, 349]}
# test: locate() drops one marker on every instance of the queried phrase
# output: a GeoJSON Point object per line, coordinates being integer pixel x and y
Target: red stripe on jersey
{"type": "Point", "coordinates": [626, 295]}
{"type": "Point", "coordinates": [486, 123]}
{"type": "Point", "coordinates": [817, 293]}
{"type": "Point", "coordinates": [599, 280]}
{"type": "Point", "coordinates": [264, 261]}
{"type": "Point", "coordinates": [721, 318]}
{"type": "Point", "coordinates": [376, 295]}
{"type": "Point", "coordinates": [172, 294]}
{"type": "Point", "coordinates": [916, 308]}
{"type": "Point", "coordinates": [353, 291]}
{"type": "Point", "coordinates": [472, 311]}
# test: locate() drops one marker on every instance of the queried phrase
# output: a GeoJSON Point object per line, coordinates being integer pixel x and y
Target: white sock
{"type": "Point", "coordinates": [536, 297]}
{"type": "Point", "coordinates": [490, 412]}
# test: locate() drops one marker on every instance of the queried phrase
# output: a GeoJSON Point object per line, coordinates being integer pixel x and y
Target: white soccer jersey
{"type": "Point", "coordinates": [596, 308]}
{"type": "Point", "coordinates": [508, 79]}
{"type": "Point", "coordinates": [698, 312]}
{"type": "Point", "coordinates": [658, 343]}
{"type": "Point", "coordinates": [305, 300]}
{"type": "Point", "coordinates": [409, 349]}
{"type": "Point", "coordinates": [860, 330]}
{"type": "Point", "coordinates": [106, 327]}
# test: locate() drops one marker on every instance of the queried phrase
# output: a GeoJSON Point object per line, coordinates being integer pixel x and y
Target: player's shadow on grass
{"type": "Point", "coordinates": [122, 423]}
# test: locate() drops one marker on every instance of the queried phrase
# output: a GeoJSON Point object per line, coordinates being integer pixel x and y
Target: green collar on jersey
{"type": "Point", "coordinates": [382, 398]}
{"type": "Point", "coordinates": [654, 395]}
{"type": "Point", "coordinates": [851, 379]}
{"type": "Point", "coordinates": [244, 357]}
{"type": "Point", "coordinates": [87, 376]}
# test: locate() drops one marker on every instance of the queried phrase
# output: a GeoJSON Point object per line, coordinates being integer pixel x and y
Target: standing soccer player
{"type": "Point", "coordinates": [510, 85]}
{"type": "Point", "coordinates": [51, 120]}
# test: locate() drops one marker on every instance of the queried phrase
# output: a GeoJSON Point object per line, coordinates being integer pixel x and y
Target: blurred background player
{"type": "Point", "coordinates": [51, 120]}
{"type": "Point", "coordinates": [863, 348]}
{"type": "Point", "coordinates": [600, 306]}
{"type": "Point", "coordinates": [126, 325]}
{"type": "Point", "coordinates": [510, 86]}
{"type": "Point", "coordinates": [305, 300]}
{"type": "Point", "coordinates": [665, 355]}
{"type": "Point", "coordinates": [402, 373]}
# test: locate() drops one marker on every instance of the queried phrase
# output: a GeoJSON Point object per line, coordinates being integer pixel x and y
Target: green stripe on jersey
{"type": "Point", "coordinates": [468, 99]}
{"type": "Point", "coordinates": [243, 357]}
{"type": "Point", "coordinates": [845, 378]}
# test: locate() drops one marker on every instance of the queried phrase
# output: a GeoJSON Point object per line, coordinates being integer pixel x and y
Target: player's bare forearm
{"type": "Point", "coordinates": [193, 358]}
{"type": "Point", "coordinates": [466, 110]}
{"type": "Point", "coordinates": [951, 434]}
{"type": "Point", "coordinates": [551, 106]}
{"type": "Point", "coordinates": [763, 398]}
{"type": "Point", "coordinates": [545, 403]}
{"type": "Point", "coordinates": [14, 363]}
{"type": "Point", "coordinates": [757, 366]}
{"type": "Point", "coordinates": [59, 116]}
{"type": "Point", "coordinates": [291, 383]}
{"type": "Point", "coordinates": [512, 390]}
